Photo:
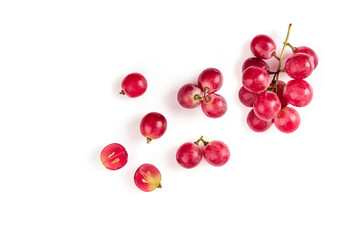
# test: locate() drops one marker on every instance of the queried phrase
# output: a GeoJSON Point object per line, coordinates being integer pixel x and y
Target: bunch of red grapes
{"type": "Point", "coordinates": [190, 154]}
{"type": "Point", "coordinates": [270, 98]}
{"type": "Point", "coordinates": [209, 81]}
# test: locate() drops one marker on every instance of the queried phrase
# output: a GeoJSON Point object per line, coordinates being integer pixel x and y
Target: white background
{"type": "Point", "coordinates": [61, 65]}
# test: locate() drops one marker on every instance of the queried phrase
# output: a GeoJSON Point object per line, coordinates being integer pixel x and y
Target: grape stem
{"type": "Point", "coordinates": [280, 58]}
{"type": "Point", "coordinates": [205, 143]}
{"type": "Point", "coordinates": [122, 92]}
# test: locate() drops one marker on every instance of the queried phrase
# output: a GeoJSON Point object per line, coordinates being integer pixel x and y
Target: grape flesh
{"type": "Point", "coordinates": [147, 177]}
{"type": "Point", "coordinates": [114, 156]}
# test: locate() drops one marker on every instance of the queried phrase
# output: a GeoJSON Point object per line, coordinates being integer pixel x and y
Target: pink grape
{"type": "Point", "coordinates": [147, 178]}
{"type": "Point", "coordinates": [255, 79]}
{"type": "Point", "coordinates": [253, 61]}
{"type": "Point", "coordinates": [246, 97]}
{"type": "Point", "coordinates": [189, 96]}
{"type": "Point", "coordinates": [134, 85]}
{"type": "Point", "coordinates": [262, 46]}
{"type": "Point", "coordinates": [153, 126]}
{"type": "Point", "coordinates": [114, 156]}
{"type": "Point", "coordinates": [257, 124]}
{"type": "Point", "coordinates": [211, 79]}
{"type": "Point", "coordinates": [214, 105]}
{"type": "Point", "coordinates": [267, 105]}
{"type": "Point", "coordinates": [216, 153]}
{"type": "Point", "coordinates": [189, 155]}
{"type": "Point", "coordinates": [280, 94]}
{"type": "Point", "coordinates": [308, 51]}
{"type": "Point", "coordinates": [299, 66]}
{"type": "Point", "coordinates": [298, 93]}
{"type": "Point", "coordinates": [287, 120]}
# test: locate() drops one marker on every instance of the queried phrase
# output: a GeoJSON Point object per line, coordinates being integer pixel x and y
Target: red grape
{"type": "Point", "coordinates": [308, 51]}
{"type": "Point", "coordinates": [255, 79]}
{"type": "Point", "coordinates": [262, 46]}
{"type": "Point", "coordinates": [216, 153]}
{"type": "Point", "coordinates": [299, 66]}
{"type": "Point", "coordinates": [299, 93]}
{"type": "Point", "coordinates": [134, 85]}
{"type": "Point", "coordinates": [280, 92]}
{"type": "Point", "coordinates": [147, 178]}
{"type": "Point", "coordinates": [214, 105]}
{"type": "Point", "coordinates": [189, 155]}
{"type": "Point", "coordinates": [114, 156]}
{"type": "Point", "coordinates": [189, 96]}
{"type": "Point", "coordinates": [257, 124]}
{"type": "Point", "coordinates": [153, 126]}
{"type": "Point", "coordinates": [211, 79]}
{"type": "Point", "coordinates": [267, 105]}
{"type": "Point", "coordinates": [287, 120]}
{"type": "Point", "coordinates": [253, 61]}
{"type": "Point", "coordinates": [246, 97]}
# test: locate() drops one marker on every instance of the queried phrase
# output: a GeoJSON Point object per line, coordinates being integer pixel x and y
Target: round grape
{"type": "Point", "coordinates": [153, 126]}
{"type": "Point", "coordinates": [114, 156]}
{"type": "Point", "coordinates": [189, 155]}
{"type": "Point", "coordinates": [310, 52]}
{"type": "Point", "coordinates": [147, 178]}
{"type": "Point", "coordinates": [267, 105]}
{"type": "Point", "coordinates": [287, 120]}
{"type": "Point", "coordinates": [253, 61]}
{"type": "Point", "coordinates": [216, 153]}
{"type": "Point", "coordinates": [298, 93]}
{"type": "Point", "coordinates": [255, 79]}
{"type": "Point", "coordinates": [246, 97]}
{"type": "Point", "coordinates": [257, 124]}
{"type": "Point", "coordinates": [214, 105]}
{"type": "Point", "coordinates": [262, 46]}
{"type": "Point", "coordinates": [134, 85]}
{"type": "Point", "coordinates": [211, 79]}
{"type": "Point", "coordinates": [299, 66]}
{"type": "Point", "coordinates": [189, 96]}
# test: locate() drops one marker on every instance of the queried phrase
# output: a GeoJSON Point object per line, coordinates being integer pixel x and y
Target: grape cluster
{"type": "Point", "coordinates": [189, 154]}
{"type": "Point", "coordinates": [270, 98]}
{"type": "Point", "coordinates": [209, 81]}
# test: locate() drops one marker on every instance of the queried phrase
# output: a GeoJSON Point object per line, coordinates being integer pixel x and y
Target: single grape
{"type": "Point", "coordinates": [147, 178]}
{"type": "Point", "coordinates": [255, 79]}
{"type": "Point", "coordinates": [189, 96]}
{"type": "Point", "coordinates": [216, 153]}
{"type": "Point", "coordinates": [214, 105]}
{"type": "Point", "coordinates": [189, 155]}
{"type": "Point", "coordinates": [153, 126]}
{"type": "Point", "coordinates": [134, 85]}
{"type": "Point", "coordinates": [262, 46]}
{"type": "Point", "coordinates": [298, 93]}
{"type": "Point", "coordinates": [287, 120]}
{"type": "Point", "coordinates": [308, 51]}
{"type": "Point", "coordinates": [253, 61]}
{"type": "Point", "coordinates": [267, 105]}
{"type": "Point", "coordinates": [210, 79]}
{"type": "Point", "coordinates": [299, 66]}
{"type": "Point", "coordinates": [246, 97]}
{"type": "Point", "coordinates": [257, 124]}
{"type": "Point", "coordinates": [114, 156]}
{"type": "Point", "coordinates": [280, 94]}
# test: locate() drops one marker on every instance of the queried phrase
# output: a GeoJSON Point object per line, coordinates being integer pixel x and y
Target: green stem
{"type": "Point", "coordinates": [122, 92]}
{"type": "Point", "coordinates": [201, 139]}
{"type": "Point", "coordinates": [149, 140]}
{"type": "Point", "coordinates": [292, 47]}
{"type": "Point", "coordinates": [205, 91]}
{"type": "Point", "coordinates": [285, 43]}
